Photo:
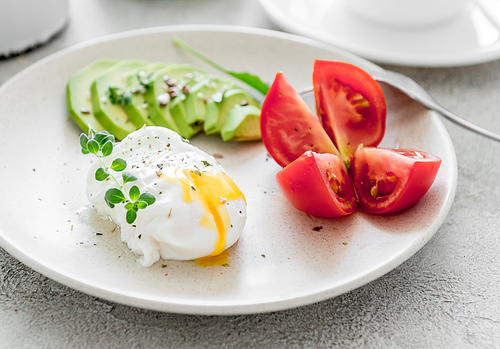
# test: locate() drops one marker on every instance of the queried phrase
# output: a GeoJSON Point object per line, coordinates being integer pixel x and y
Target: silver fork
{"type": "Point", "coordinates": [413, 90]}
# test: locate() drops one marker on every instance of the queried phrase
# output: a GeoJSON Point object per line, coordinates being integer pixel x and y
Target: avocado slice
{"type": "Point", "coordinates": [158, 97]}
{"type": "Point", "coordinates": [198, 96]}
{"type": "Point", "coordinates": [111, 114]}
{"type": "Point", "coordinates": [137, 109]}
{"type": "Point", "coordinates": [242, 124]}
{"type": "Point", "coordinates": [78, 94]}
{"type": "Point", "coordinates": [232, 97]}
{"type": "Point", "coordinates": [178, 112]}
{"type": "Point", "coordinates": [211, 113]}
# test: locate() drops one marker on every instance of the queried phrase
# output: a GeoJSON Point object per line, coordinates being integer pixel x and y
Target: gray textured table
{"type": "Point", "coordinates": [447, 295]}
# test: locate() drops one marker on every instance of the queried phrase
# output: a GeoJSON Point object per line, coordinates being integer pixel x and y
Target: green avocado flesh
{"type": "Point", "coordinates": [78, 94]}
{"type": "Point", "coordinates": [122, 96]}
{"type": "Point", "coordinates": [137, 83]}
{"type": "Point", "coordinates": [242, 124]}
{"type": "Point", "coordinates": [232, 98]}
{"type": "Point", "coordinates": [112, 116]}
{"type": "Point", "coordinates": [199, 94]}
{"type": "Point", "coordinates": [166, 84]}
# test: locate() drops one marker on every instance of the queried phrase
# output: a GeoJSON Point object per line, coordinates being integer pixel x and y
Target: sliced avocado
{"type": "Point", "coordinates": [178, 112]}
{"type": "Point", "coordinates": [137, 109]}
{"type": "Point", "coordinates": [78, 94]}
{"type": "Point", "coordinates": [159, 96]}
{"type": "Point", "coordinates": [198, 96]}
{"type": "Point", "coordinates": [231, 98]}
{"type": "Point", "coordinates": [242, 124]}
{"type": "Point", "coordinates": [211, 113]}
{"type": "Point", "coordinates": [107, 110]}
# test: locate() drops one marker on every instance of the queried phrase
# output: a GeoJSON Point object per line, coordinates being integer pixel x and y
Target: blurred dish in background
{"type": "Point", "coordinates": [469, 34]}
{"type": "Point", "coordinates": [28, 23]}
{"type": "Point", "coordinates": [407, 13]}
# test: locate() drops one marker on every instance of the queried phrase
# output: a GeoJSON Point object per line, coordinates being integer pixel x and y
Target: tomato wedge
{"type": "Point", "coordinates": [390, 180]}
{"type": "Point", "coordinates": [288, 126]}
{"type": "Point", "coordinates": [350, 105]}
{"type": "Point", "coordinates": [318, 184]}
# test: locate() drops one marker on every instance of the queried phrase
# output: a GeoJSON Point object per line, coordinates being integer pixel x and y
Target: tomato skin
{"type": "Point", "coordinates": [318, 184]}
{"type": "Point", "coordinates": [288, 126]}
{"type": "Point", "coordinates": [390, 180]}
{"type": "Point", "coordinates": [350, 105]}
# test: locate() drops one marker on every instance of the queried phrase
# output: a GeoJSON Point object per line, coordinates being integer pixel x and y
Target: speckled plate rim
{"type": "Point", "coordinates": [199, 307]}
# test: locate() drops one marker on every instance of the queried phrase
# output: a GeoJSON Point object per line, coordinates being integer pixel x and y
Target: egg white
{"type": "Point", "coordinates": [170, 228]}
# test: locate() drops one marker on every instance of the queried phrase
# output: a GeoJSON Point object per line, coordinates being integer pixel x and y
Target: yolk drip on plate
{"type": "Point", "coordinates": [219, 260]}
{"type": "Point", "coordinates": [213, 190]}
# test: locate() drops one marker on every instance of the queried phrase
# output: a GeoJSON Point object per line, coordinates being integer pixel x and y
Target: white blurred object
{"type": "Point", "coordinates": [27, 23]}
{"type": "Point", "coordinates": [468, 32]}
{"type": "Point", "coordinates": [407, 13]}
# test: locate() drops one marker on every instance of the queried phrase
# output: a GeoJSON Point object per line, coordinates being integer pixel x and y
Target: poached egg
{"type": "Point", "coordinates": [199, 211]}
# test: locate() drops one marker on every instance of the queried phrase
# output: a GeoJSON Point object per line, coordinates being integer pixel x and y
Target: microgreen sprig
{"type": "Point", "coordinates": [248, 78]}
{"type": "Point", "coordinates": [118, 96]}
{"type": "Point", "coordinates": [101, 144]}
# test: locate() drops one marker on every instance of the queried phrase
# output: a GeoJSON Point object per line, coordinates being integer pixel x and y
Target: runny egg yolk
{"type": "Point", "coordinates": [219, 260]}
{"type": "Point", "coordinates": [213, 190]}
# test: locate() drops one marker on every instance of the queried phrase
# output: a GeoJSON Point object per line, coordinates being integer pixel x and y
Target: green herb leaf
{"type": "Point", "coordinates": [131, 216]}
{"type": "Point", "coordinates": [128, 177]}
{"type": "Point", "coordinates": [113, 93]}
{"type": "Point", "coordinates": [83, 142]}
{"type": "Point", "coordinates": [109, 203]}
{"type": "Point", "coordinates": [141, 204]}
{"type": "Point", "coordinates": [250, 79]}
{"type": "Point", "coordinates": [99, 136]}
{"type": "Point", "coordinates": [126, 98]}
{"type": "Point", "coordinates": [134, 193]}
{"type": "Point", "coordinates": [118, 96]}
{"type": "Point", "coordinates": [128, 206]}
{"type": "Point", "coordinates": [114, 196]}
{"type": "Point", "coordinates": [118, 165]}
{"type": "Point", "coordinates": [107, 149]}
{"type": "Point", "coordinates": [85, 151]}
{"type": "Point", "coordinates": [108, 138]}
{"type": "Point", "coordinates": [93, 146]}
{"type": "Point", "coordinates": [101, 174]}
{"type": "Point", "coordinates": [147, 198]}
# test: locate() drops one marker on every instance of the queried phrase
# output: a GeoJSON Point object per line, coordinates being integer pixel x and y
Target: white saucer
{"type": "Point", "coordinates": [470, 38]}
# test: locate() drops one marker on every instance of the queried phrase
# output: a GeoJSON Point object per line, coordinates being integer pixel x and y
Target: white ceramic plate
{"type": "Point", "coordinates": [473, 37]}
{"type": "Point", "coordinates": [279, 262]}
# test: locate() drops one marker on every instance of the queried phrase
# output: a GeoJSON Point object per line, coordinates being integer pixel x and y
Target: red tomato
{"type": "Point", "coordinates": [389, 180]}
{"type": "Point", "coordinates": [318, 184]}
{"type": "Point", "coordinates": [288, 126]}
{"type": "Point", "coordinates": [350, 105]}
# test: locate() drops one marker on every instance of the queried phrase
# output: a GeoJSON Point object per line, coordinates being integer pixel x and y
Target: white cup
{"type": "Point", "coordinates": [26, 23]}
{"type": "Point", "coordinates": [407, 13]}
